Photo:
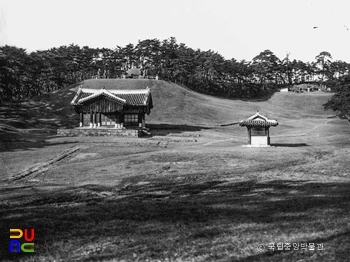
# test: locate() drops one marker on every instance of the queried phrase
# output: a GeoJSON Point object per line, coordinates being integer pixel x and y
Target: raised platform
{"type": "Point", "coordinates": [84, 131]}
{"type": "Point", "coordinates": [256, 146]}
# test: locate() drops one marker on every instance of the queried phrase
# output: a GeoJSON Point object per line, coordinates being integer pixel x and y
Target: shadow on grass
{"type": "Point", "coordinates": [165, 129]}
{"type": "Point", "coordinates": [28, 140]}
{"type": "Point", "coordinates": [168, 220]}
{"type": "Point", "coordinates": [289, 144]}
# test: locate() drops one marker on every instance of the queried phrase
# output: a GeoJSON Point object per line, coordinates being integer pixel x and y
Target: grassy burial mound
{"type": "Point", "coordinates": [173, 104]}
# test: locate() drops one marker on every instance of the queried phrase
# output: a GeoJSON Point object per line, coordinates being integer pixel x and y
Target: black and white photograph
{"type": "Point", "coordinates": [174, 130]}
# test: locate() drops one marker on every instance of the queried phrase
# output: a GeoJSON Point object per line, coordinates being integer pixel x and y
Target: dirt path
{"type": "Point", "coordinates": [44, 166]}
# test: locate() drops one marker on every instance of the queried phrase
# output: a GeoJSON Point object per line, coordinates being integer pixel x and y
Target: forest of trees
{"type": "Point", "coordinates": [340, 101]}
{"type": "Point", "coordinates": [24, 75]}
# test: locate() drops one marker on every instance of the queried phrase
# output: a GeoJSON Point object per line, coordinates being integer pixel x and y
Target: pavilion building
{"type": "Point", "coordinates": [112, 108]}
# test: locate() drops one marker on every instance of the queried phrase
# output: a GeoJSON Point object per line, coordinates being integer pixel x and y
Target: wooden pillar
{"type": "Point", "coordinates": [143, 120]}
{"type": "Point", "coordinates": [249, 136]}
{"type": "Point", "coordinates": [117, 120]}
{"type": "Point", "coordinates": [91, 119]}
{"type": "Point", "coordinates": [81, 124]}
{"type": "Point", "coordinates": [268, 135]}
{"type": "Point", "coordinates": [140, 119]}
{"type": "Point", "coordinates": [121, 120]}
{"type": "Point", "coordinates": [98, 119]}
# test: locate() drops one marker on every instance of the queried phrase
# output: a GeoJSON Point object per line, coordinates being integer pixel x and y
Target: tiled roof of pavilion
{"type": "Point", "coordinates": [139, 97]}
{"type": "Point", "coordinates": [258, 120]}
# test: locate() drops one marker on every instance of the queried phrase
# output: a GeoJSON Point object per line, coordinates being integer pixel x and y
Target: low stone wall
{"type": "Point", "coordinates": [101, 132]}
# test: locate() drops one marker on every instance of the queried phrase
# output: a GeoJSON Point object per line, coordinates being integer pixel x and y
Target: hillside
{"type": "Point", "coordinates": [191, 192]}
{"type": "Point", "coordinates": [173, 104]}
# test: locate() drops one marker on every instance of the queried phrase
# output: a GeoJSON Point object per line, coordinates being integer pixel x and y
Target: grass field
{"type": "Point", "coordinates": [191, 192]}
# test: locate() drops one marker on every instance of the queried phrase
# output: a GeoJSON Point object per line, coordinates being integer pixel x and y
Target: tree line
{"type": "Point", "coordinates": [340, 101]}
{"type": "Point", "coordinates": [24, 75]}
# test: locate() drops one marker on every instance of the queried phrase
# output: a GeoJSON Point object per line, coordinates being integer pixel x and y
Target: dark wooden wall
{"type": "Point", "coordinates": [101, 105]}
{"type": "Point", "coordinates": [108, 119]}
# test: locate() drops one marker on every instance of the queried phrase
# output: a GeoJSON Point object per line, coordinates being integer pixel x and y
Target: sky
{"type": "Point", "coordinates": [235, 29]}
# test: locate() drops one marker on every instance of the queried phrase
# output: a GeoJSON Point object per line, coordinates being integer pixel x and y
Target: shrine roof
{"type": "Point", "coordinates": [258, 120]}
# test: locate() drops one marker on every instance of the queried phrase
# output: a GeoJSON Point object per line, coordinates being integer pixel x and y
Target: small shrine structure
{"type": "Point", "coordinates": [258, 129]}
